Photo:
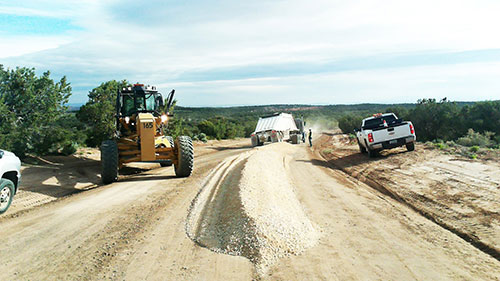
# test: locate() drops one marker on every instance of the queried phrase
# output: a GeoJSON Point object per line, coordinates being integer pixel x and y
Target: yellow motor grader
{"type": "Point", "coordinates": [141, 121]}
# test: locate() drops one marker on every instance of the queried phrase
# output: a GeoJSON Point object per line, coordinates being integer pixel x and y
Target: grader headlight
{"type": "Point", "coordinates": [164, 118]}
{"type": "Point", "coordinates": [127, 119]}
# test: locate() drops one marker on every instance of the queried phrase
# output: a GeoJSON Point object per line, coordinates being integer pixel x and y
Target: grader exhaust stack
{"type": "Point", "coordinates": [141, 121]}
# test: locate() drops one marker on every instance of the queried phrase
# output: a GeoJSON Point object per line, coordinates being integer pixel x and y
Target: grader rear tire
{"type": "Point", "coordinates": [109, 161]}
{"type": "Point", "coordinates": [185, 156]}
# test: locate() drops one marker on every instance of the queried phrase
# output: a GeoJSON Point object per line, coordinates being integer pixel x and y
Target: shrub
{"type": "Point", "coordinates": [348, 123]}
{"type": "Point", "coordinates": [201, 137]}
{"type": "Point", "coordinates": [440, 145]}
{"type": "Point", "coordinates": [69, 148]}
{"type": "Point", "coordinates": [474, 148]}
{"type": "Point", "coordinates": [476, 139]}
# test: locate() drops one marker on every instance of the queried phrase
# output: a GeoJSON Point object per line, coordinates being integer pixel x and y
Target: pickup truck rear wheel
{"type": "Point", "coordinates": [372, 153]}
{"type": "Point", "coordinates": [362, 149]}
{"type": "Point", "coordinates": [410, 146]}
{"type": "Point", "coordinates": [6, 194]}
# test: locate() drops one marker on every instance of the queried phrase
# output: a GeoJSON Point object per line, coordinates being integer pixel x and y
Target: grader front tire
{"type": "Point", "coordinates": [185, 156]}
{"type": "Point", "coordinates": [172, 145]}
{"type": "Point", "coordinates": [109, 161]}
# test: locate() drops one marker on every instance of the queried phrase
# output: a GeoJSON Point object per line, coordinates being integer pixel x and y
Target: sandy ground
{"type": "Point", "coordinates": [137, 228]}
{"type": "Point", "coordinates": [46, 179]}
{"type": "Point", "coordinates": [460, 194]}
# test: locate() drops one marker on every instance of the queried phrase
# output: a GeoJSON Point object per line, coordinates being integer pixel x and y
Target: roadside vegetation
{"type": "Point", "coordinates": [33, 114]}
{"type": "Point", "coordinates": [35, 118]}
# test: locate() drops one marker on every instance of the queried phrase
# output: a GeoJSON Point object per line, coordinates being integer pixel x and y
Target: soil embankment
{"type": "Point", "coordinates": [460, 194]}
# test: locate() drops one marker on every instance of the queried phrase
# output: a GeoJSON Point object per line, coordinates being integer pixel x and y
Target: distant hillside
{"type": "Point", "coordinates": [330, 111]}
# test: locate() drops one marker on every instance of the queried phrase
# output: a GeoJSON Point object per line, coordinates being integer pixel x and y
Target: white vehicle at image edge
{"type": "Point", "coordinates": [10, 171]}
{"type": "Point", "coordinates": [385, 131]}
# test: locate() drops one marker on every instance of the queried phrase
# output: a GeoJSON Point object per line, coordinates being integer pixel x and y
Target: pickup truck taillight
{"type": "Point", "coordinates": [412, 131]}
{"type": "Point", "coordinates": [370, 137]}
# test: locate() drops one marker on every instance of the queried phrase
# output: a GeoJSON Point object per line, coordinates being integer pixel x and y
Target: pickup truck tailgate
{"type": "Point", "coordinates": [385, 134]}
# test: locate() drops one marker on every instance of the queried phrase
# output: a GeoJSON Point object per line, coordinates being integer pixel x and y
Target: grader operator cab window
{"type": "Point", "coordinates": [149, 102]}
{"type": "Point", "coordinates": [128, 105]}
{"type": "Point", "coordinates": [142, 103]}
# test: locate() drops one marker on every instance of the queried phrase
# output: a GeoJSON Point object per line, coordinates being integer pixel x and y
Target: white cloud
{"type": "Point", "coordinates": [159, 41]}
{"type": "Point", "coordinates": [463, 82]}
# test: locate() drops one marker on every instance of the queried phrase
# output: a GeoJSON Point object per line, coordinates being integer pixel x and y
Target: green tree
{"type": "Point", "coordinates": [207, 127]}
{"type": "Point", "coordinates": [349, 122]}
{"type": "Point", "coordinates": [482, 117]}
{"type": "Point", "coordinates": [437, 120]}
{"type": "Point", "coordinates": [30, 108]}
{"type": "Point", "coordinates": [99, 112]}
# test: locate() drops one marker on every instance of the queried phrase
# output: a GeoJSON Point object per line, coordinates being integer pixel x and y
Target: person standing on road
{"type": "Point", "coordinates": [310, 137]}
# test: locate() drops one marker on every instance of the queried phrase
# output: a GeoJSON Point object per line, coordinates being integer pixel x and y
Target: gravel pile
{"type": "Point", "coordinates": [248, 207]}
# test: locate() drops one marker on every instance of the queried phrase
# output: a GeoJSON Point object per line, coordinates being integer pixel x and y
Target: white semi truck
{"type": "Point", "coordinates": [278, 127]}
{"type": "Point", "coordinates": [10, 172]}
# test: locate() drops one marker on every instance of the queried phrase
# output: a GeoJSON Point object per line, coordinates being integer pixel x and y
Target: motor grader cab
{"type": "Point", "coordinates": [141, 120]}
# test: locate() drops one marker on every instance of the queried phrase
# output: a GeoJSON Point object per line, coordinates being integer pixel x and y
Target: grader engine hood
{"type": "Point", "coordinates": [147, 130]}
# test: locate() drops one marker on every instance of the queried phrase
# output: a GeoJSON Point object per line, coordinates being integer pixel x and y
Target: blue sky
{"type": "Point", "coordinates": [220, 53]}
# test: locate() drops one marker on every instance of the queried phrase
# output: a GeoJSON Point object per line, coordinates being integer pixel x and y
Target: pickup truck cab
{"type": "Point", "coordinates": [10, 172]}
{"type": "Point", "coordinates": [385, 131]}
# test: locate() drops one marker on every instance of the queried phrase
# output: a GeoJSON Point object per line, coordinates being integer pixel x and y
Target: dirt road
{"type": "Point", "coordinates": [322, 225]}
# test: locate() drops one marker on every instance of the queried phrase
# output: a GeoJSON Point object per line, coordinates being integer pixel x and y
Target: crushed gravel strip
{"type": "Point", "coordinates": [248, 207]}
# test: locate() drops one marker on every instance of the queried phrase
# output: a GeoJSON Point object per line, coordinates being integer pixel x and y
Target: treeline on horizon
{"type": "Point", "coordinates": [35, 118]}
{"type": "Point", "coordinates": [471, 124]}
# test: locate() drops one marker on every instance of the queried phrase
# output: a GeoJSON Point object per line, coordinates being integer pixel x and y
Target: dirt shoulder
{"type": "Point", "coordinates": [460, 194]}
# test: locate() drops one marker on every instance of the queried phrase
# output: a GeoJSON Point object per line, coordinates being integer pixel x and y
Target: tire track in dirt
{"type": "Point", "coordinates": [360, 175]}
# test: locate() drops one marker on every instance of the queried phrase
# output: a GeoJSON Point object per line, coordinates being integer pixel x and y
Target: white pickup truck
{"type": "Point", "coordinates": [10, 171]}
{"type": "Point", "coordinates": [385, 131]}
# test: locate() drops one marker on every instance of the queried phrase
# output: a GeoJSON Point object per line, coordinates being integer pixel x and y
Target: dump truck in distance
{"type": "Point", "coordinates": [278, 127]}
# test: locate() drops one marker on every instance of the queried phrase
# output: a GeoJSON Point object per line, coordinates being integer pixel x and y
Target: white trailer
{"type": "Point", "coordinates": [275, 128]}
